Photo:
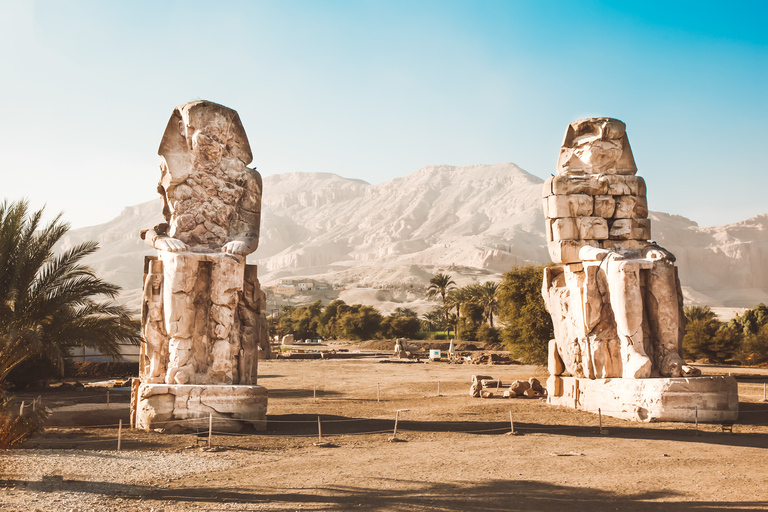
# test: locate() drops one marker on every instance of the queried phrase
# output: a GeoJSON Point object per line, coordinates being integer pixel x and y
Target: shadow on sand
{"type": "Point", "coordinates": [488, 496]}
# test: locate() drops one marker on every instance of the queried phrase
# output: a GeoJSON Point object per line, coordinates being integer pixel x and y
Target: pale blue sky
{"type": "Point", "coordinates": [377, 89]}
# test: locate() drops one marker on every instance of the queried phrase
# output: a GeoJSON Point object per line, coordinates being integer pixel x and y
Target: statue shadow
{"type": "Point", "coordinates": [396, 495]}
{"type": "Point", "coordinates": [306, 424]}
{"type": "Point", "coordinates": [301, 393]}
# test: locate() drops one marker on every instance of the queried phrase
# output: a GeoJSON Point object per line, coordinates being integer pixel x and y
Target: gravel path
{"type": "Point", "coordinates": [76, 480]}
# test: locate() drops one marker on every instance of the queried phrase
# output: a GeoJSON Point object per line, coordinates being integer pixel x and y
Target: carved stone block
{"type": "Point", "coordinates": [631, 229]}
{"type": "Point", "coordinates": [630, 207]}
{"type": "Point", "coordinates": [604, 206]}
{"type": "Point", "coordinates": [575, 205]}
{"type": "Point", "coordinates": [593, 228]}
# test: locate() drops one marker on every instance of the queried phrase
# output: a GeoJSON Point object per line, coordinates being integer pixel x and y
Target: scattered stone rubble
{"type": "Point", "coordinates": [484, 386]}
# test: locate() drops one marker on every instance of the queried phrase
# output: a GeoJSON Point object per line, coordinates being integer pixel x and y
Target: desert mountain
{"type": "Point", "coordinates": [382, 243]}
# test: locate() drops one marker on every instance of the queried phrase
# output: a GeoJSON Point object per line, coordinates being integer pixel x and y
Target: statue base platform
{"type": "Point", "coordinates": [707, 399]}
{"type": "Point", "coordinates": [188, 408]}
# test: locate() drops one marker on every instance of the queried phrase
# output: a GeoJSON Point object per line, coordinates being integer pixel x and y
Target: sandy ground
{"type": "Point", "coordinates": [456, 452]}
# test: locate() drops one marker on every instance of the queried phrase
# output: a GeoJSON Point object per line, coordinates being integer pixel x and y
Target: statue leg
{"type": "Point", "coordinates": [662, 285]}
{"type": "Point", "coordinates": [226, 284]}
{"type": "Point", "coordinates": [627, 304]}
{"type": "Point", "coordinates": [179, 273]}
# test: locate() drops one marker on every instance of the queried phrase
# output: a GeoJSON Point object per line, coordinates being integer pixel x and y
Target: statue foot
{"type": "Point", "coordinates": [672, 365]}
{"type": "Point", "coordinates": [636, 366]}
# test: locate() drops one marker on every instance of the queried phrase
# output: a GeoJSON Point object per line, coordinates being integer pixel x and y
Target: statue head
{"type": "Point", "coordinates": [201, 134]}
{"type": "Point", "coordinates": [597, 145]}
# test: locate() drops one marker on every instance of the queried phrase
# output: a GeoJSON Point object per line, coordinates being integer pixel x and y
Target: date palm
{"type": "Point", "coordinates": [440, 285]}
{"type": "Point", "coordinates": [486, 298]}
{"type": "Point", "coordinates": [456, 298]}
{"type": "Point", "coordinates": [48, 302]}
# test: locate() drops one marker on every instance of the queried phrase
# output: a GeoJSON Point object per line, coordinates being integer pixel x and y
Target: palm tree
{"type": "Point", "coordinates": [440, 285]}
{"type": "Point", "coordinates": [456, 298]}
{"type": "Point", "coordinates": [486, 298]}
{"type": "Point", "coordinates": [693, 313]}
{"type": "Point", "coordinates": [49, 302]}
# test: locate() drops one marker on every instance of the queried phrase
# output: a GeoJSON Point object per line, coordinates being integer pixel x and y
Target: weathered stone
{"type": "Point", "coordinates": [203, 315]}
{"type": "Point", "coordinates": [708, 399]}
{"type": "Point", "coordinates": [593, 228]}
{"type": "Point", "coordinates": [554, 361]}
{"type": "Point", "coordinates": [618, 185]}
{"type": "Point", "coordinates": [565, 229]}
{"type": "Point", "coordinates": [596, 145]}
{"type": "Point", "coordinates": [604, 206]}
{"type": "Point", "coordinates": [519, 386]}
{"type": "Point", "coordinates": [567, 251]}
{"type": "Point", "coordinates": [176, 408]}
{"type": "Point", "coordinates": [616, 304]}
{"type": "Point", "coordinates": [590, 184]}
{"type": "Point", "coordinates": [530, 393]}
{"type": "Point", "coordinates": [631, 229]}
{"type": "Point", "coordinates": [536, 385]}
{"type": "Point", "coordinates": [575, 205]}
{"type": "Point", "coordinates": [630, 207]}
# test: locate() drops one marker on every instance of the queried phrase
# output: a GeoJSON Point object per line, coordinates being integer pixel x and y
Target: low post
{"type": "Point", "coordinates": [314, 393]}
{"type": "Point", "coordinates": [319, 431]}
{"type": "Point", "coordinates": [378, 392]}
{"type": "Point", "coordinates": [119, 434]}
{"type": "Point", "coordinates": [394, 432]}
{"type": "Point", "coordinates": [210, 428]}
{"type": "Point", "coordinates": [438, 388]}
{"type": "Point", "coordinates": [600, 415]}
{"type": "Point", "coordinates": [107, 399]}
{"type": "Point", "coordinates": [511, 424]}
{"type": "Point", "coordinates": [21, 409]}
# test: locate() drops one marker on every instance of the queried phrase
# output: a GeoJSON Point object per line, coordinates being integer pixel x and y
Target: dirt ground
{"type": "Point", "coordinates": [456, 452]}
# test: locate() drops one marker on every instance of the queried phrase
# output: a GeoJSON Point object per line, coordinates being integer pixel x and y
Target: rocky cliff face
{"type": "Point", "coordinates": [474, 222]}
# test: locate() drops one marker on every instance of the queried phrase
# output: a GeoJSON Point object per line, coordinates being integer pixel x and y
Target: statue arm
{"type": "Point", "coordinates": [247, 224]}
{"type": "Point", "coordinates": [589, 253]}
{"type": "Point", "coordinates": [157, 238]}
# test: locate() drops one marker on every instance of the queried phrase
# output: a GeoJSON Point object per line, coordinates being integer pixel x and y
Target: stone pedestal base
{"type": "Point", "coordinates": [180, 408]}
{"type": "Point", "coordinates": [713, 398]}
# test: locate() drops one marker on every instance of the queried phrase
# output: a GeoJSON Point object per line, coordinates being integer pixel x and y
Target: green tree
{"type": "Point", "coordinates": [457, 298]}
{"type": "Point", "coordinates": [486, 298]}
{"type": "Point", "coordinates": [528, 326]}
{"type": "Point", "coordinates": [432, 321]}
{"type": "Point", "coordinates": [48, 302]}
{"type": "Point", "coordinates": [751, 320]}
{"type": "Point", "coordinates": [701, 326]}
{"type": "Point", "coordinates": [361, 322]}
{"type": "Point", "coordinates": [754, 347]}
{"type": "Point", "coordinates": [440, 285]}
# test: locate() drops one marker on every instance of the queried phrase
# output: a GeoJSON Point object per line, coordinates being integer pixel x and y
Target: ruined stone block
{"type": "Point", "coordinates": [575, 205]}
{"type": "Point", "coordinates": [631, 229]}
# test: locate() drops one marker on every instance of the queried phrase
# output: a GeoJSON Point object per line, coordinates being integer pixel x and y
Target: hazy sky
{"type": "Point", "coordinates": [377, 89]}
